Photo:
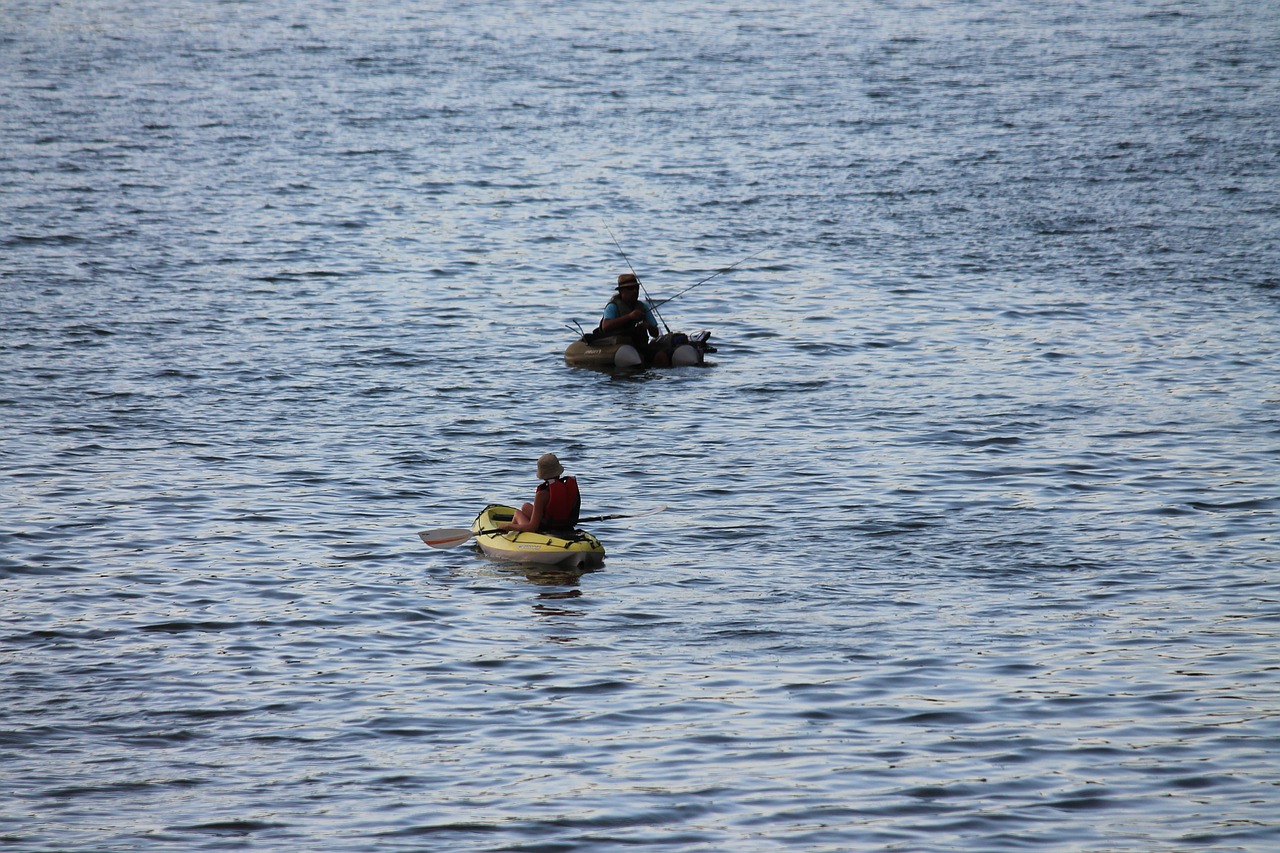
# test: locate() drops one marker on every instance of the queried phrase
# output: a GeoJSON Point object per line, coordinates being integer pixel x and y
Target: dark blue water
{"type": "Point", "coordinates": [971, 540]}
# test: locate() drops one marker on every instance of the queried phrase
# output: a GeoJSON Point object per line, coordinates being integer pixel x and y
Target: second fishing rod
{"type": "Point", "coordinates": [656, 305]}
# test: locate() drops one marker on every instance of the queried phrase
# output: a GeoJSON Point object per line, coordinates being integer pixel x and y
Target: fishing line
{"type": "Point", "coordinates": [647, 297]}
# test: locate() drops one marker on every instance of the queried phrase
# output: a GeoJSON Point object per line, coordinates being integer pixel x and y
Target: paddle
{"type": "Point", "coordinates": [451, 537]}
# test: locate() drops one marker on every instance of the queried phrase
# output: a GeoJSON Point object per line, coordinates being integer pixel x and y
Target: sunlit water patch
{"type": "Point", "coordinates": [970, 530]}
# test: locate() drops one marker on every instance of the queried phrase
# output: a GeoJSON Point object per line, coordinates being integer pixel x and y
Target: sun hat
{"type": "Point", "coordinates": [549, 467]}
{"type": "Point", "coordinates": [628, 279]}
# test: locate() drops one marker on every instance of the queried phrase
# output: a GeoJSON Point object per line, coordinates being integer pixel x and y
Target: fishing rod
{"type": "Point", "coordinates": [708, 278]}
{"type": "Point", "coordinates": [647, 297]}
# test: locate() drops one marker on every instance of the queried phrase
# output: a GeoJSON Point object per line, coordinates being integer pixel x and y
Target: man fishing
{"type": "Point", "coordinates": [627, 315]}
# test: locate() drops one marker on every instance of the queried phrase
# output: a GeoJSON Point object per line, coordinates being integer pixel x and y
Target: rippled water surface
{"type": "Point", "coordinates": [971, 530]}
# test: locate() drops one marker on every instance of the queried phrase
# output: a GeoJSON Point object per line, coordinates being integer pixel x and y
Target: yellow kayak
{"type": "Point", "coordinates": [580, 550]}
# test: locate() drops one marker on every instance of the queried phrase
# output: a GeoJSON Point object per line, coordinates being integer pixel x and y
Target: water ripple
{"type": "Point", "coordinates": [971, 517]}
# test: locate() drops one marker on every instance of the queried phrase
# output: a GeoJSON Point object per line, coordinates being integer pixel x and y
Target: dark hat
{"type": "Point", "coordinates": [628, 279]}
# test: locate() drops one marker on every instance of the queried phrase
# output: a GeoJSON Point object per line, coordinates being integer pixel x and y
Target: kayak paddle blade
{"type": "Point", "coordinates": [445, 537]}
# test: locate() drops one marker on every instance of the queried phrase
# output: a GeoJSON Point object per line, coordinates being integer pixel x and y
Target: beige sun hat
{"type": "Point", "coordinates": [549, 467]}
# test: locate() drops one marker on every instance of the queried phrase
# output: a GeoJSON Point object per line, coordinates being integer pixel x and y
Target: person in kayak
{"type": "Point", "coordinates": [556, 504]}
{"type": "Point", "coordinates": [627, 315]}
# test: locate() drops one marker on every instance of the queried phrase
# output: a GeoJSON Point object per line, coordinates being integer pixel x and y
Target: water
{"type": "Point", "coordinates": [971, 538]}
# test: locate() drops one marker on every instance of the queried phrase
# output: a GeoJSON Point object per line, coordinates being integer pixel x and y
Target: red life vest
{"type": "Point", "coordinates": [563, 504]}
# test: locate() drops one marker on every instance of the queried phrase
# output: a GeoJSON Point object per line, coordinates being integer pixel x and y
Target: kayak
{"type": "Point", "coordinates": [580, 550]}
{"type": "Point", "coordinates": [617, 351]}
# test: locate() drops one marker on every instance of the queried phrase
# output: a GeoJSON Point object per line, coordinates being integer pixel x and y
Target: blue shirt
{"type": "Point", "coordinates": [611, 312]}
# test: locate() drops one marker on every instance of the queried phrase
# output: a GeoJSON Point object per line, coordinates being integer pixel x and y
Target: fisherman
{"type": "Point", "coordinates": [626, 315]}
{"type": "Point", "coordinates": [556, 504]}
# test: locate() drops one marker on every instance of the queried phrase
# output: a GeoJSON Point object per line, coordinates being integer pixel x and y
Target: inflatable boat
{"type": "Point", "coordinates": [617, 351]}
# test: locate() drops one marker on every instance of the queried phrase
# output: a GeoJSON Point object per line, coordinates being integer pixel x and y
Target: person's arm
{"type": "Point", "coordinates": [539, 506]}
{"type": "Point", "coordinates": [530, 524]}
{"type": "Point", "coordinates": [612, 324]}
{"type": "Point", "coordinates": [650, 323]}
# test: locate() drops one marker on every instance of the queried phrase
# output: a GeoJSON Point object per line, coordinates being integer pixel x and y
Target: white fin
{"type": "Point", "coordinates": [684, 356]}
{"type": "Point", "coordinates": [626, 356]}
